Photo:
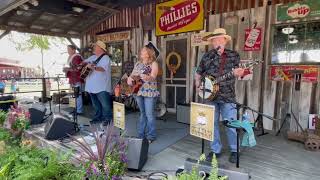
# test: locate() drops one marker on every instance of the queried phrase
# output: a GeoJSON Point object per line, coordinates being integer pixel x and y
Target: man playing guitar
{"type": "Point", "coordinates": [73, 73]}
{"type": "Point", "coordinates": [215, 63]}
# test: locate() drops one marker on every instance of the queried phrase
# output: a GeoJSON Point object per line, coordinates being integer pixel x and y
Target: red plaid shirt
{"type": "Point", "coordinates": [74, 73]}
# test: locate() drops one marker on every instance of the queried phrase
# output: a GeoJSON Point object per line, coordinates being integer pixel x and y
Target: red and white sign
{"type": "Point", "coordinates": [253, 39]}
{"type": "Point", "coordinates": [312, 120]}
{"type": "Point", "coordinates": [298, 11]}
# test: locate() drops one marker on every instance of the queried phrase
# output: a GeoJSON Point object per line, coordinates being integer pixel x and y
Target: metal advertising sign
{"type": "Point", "coordinates": [178, 16]}
{"type": "Point", "coordinates": [301, 9]}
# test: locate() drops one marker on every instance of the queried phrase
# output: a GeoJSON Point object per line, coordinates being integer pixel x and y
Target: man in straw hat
{"type": "Point", "coordinates": [217, 62]}
{"type": "Point", "coordinates": [98, 84]}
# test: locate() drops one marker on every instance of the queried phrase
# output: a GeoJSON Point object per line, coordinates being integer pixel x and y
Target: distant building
{"type": "Point", "coordinates": [10, 68]}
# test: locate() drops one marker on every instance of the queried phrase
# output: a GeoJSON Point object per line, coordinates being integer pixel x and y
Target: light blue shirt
{"type": "Point", "coordinates": [99, 81]}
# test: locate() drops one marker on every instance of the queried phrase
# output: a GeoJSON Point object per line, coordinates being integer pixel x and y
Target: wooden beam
{"type": "Point", "coordinates": [94, 5]}
{"type": "Point", "coordinates": [36, 17]}
{"type": "Point", "coordinates": [6, 32]}
{"type": "Point", "coordinates": [12, 6]}
{"type": "Point", "coordinates": [37, 31]}
{"type": "Point", "coordinates": [70, 40]}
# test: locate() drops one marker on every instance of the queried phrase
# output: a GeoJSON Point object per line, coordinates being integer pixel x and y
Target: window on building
{"type": "Point", "coordinates": [297, 43]}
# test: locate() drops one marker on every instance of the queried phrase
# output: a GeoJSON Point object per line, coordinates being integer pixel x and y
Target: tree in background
{"type": "Point", "coordinates": [30, 42]}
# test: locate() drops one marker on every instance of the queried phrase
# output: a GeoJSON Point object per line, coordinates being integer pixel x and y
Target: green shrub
{"type": "Point", "coordinates": [28, 163]}
{"type": "Point", "coordinates": [3, 117]}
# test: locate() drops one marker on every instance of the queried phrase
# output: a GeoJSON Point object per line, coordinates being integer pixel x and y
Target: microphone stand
{"type": "Point", "coordinates": [203, 81]}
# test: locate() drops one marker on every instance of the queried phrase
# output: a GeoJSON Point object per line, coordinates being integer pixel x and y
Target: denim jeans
{"type": "Point", "coordinates": [146, 127]}
{"type": "Point", "coordinates": [228, 111]}
{"type": "Point", "coordinates": [79, 98]}
{"type": "Point", "coordinates": [102, 104]}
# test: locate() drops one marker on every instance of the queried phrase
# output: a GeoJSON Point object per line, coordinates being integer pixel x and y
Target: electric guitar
{"type": "Point", "coordinates": [211, 84]}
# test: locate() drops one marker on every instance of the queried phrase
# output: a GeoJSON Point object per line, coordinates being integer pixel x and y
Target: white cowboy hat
{"type": "Point", "coordinates": [220, 32]}
{"type": "Point", "coordinates": [101, 44]}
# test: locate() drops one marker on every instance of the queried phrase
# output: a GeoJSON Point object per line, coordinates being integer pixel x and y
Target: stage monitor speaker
{"type": "Point", "coordinates": [137, 153]}
{"type": "Point", "coordinates": [6, 102]}
{"type": "Point", "coordinates": [37, 113]}
{"type": "Point", "coordinates": [59, 126]}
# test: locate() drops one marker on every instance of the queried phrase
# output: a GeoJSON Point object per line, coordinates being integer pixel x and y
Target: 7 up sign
{"type": "Point", "coordinates": [304, 9]}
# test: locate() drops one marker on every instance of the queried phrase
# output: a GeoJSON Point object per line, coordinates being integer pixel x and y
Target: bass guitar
{"type": "Point", "coordinates": [211, 84]}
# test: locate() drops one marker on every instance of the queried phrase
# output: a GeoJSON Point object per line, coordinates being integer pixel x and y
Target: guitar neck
{"type": "Point", "coordinates": [230, 74]}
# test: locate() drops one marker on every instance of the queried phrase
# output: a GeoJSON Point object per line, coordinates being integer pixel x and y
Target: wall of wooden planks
{"type": "Point", "coordinates": [270, 97]}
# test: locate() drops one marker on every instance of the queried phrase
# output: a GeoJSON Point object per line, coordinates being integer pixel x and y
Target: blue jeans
{"type": "Point", "coordinates": [146, 127]}
{"type": "Point", "coordinates": [79, 98]}
{"type": "Point", "coordinates": [102, 104]}
{"type": "Point", "coordinates": [228, 111]}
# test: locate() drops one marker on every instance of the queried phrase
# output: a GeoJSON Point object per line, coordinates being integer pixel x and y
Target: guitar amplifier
{"type": "Point", "coordinates": [183, 113]}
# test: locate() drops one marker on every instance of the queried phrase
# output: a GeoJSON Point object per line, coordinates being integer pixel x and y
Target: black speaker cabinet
{"type": "Point", "coordinates": [5, 106]}
{"type": "Point", "coordinates": [137, 153]}
{"type": "Point", "coordinates": [59, 126]}
{"type": "Point", "coordinates": [37, 113]}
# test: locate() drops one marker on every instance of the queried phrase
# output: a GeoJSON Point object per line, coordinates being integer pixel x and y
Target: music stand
{"type": "Point", "coordinates": [296, 80]}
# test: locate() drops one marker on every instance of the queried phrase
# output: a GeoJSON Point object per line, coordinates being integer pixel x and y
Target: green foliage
{"type": "Point", "coordinates": [6, 137]}
{"type": "Point", "coordinates": [195, 174]}
{"type": "Point", "coordinates": [27, 163]}
{"type": "Point", "coordinates": [3, 117]}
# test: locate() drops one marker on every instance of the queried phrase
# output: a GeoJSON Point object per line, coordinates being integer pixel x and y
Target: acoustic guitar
{"type": "Point", "coordinates": [211, 84]}
{"type": "Point", "coordinates": [86, 70]}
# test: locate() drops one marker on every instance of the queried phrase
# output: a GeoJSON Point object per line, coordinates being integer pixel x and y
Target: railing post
{"type": "Point", "coordinates": [44, 90]}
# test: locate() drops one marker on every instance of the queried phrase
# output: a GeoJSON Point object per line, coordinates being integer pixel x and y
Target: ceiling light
{"type": "Point", "coordinates": [24, 7]}
{"type": "Point", "coordinates": [34, 2]}
{"type": "Point", "coordinates": [287, 30]}
{"type": "Point", "coordinates": [77, 9]}
{"type": "Point", "coordinates": [19, 12]}
{"type": "Point", "coordinates": [293, 41]}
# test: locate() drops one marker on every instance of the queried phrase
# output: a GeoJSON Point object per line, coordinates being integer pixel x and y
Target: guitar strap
{"type": "Point", "coordinates": [98, 59]}
{"type": "Point", "coordinates": [223, 62]}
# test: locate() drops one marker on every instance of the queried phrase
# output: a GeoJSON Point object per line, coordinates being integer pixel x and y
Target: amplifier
{"type": "Point", "coordinates": [183, 113]}
{"type": "Point", "coordinates": [37, 113]}
{"type": "Point", "coordinates": [59, 126]}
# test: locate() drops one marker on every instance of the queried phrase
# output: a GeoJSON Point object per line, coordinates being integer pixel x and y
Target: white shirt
{"type": "Point", "coordinates": [99, 81]}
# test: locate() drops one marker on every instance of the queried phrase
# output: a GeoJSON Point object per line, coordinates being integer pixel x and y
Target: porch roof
{"type": "Point", "coordinates": [63, 18]}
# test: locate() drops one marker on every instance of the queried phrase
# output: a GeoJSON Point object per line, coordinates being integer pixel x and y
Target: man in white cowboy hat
{"type": "Point", "coordinates": [98, 84]}
{"type": "Point", "coordinates": [217, 62]}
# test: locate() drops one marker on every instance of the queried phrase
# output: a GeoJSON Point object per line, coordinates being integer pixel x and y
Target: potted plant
{"type": "Point", "coordinates": [17, 121]}
{"type": "Point", "coordinates": [109, 161]}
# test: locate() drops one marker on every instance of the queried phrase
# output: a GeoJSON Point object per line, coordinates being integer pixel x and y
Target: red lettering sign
{"type": "Point", "coordinates": [179, 16]}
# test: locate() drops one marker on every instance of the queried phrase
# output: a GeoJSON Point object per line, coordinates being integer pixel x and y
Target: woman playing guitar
{"type": "Point", "coordinates": [145, 72]}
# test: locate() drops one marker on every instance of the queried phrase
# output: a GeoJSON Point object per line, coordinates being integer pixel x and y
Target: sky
{"type": "Point", "coordinates": [54, 59]}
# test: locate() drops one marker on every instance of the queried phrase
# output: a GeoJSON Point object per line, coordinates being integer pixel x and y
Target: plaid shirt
{"type": "Point", "coordinates": [210, 64]}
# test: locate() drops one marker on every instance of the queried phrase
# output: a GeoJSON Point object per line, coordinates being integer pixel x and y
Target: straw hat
{"type": "Point", "coordinates": [220, 32]}
{"type": "Point", "coordinates": [101, 44]}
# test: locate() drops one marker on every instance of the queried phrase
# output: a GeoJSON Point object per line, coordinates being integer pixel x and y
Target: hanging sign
{"type": "Point", "coordinates": [178, 16]}
{"type": "Point", "coordinates": [313, 119]}
{"type": "Point", "coordinates": [196, 39]}
{"type": "Point", "coordinates": [113, 37]}
{"type": "Point", "coordinates": [253, 39]}
{"type": "Point", "coordinates": [302, 9]}
{"type": "Point", "coordinates": [119, 115]}
{"type": "Point", "coordinates": [202, 121]}
{"type": "Point", "coordinates": [282, 73]}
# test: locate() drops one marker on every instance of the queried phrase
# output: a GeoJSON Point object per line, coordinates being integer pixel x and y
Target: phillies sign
{"type": "Point", "coordinates": [303, 9]}
{"type": "Point", "coordinates": [179, 16]}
